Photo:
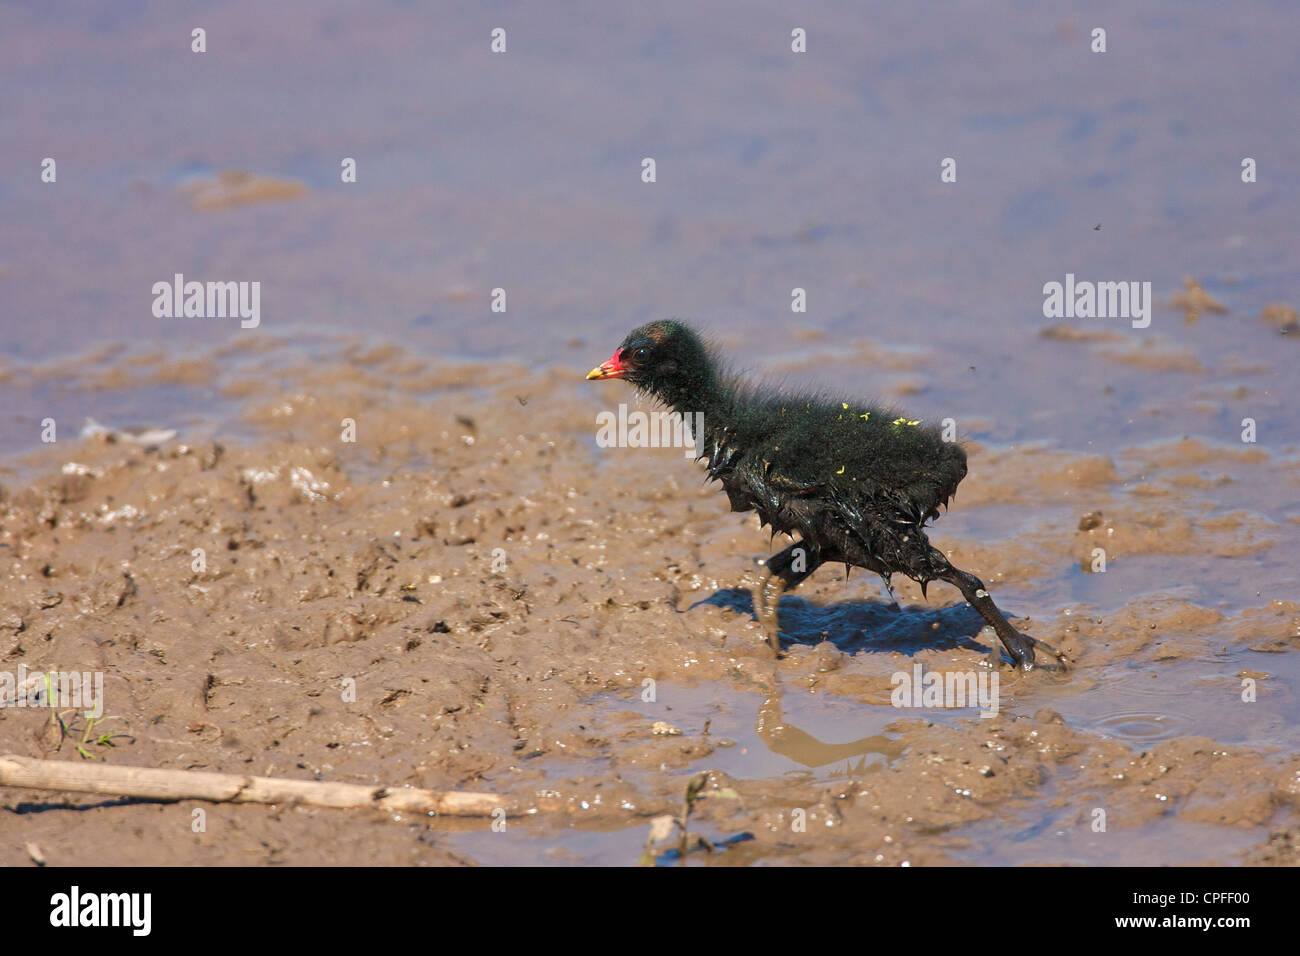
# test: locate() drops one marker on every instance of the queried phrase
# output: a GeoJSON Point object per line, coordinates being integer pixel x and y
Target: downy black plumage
{"type": "Point", "coordinates": [855, 481]}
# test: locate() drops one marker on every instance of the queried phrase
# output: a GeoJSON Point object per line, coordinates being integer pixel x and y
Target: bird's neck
{"type": "Point", "coordinates": [709, 395]}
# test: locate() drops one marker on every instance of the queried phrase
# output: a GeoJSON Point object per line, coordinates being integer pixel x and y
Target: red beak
{"type": "Point", "coordinates": [614, 368]}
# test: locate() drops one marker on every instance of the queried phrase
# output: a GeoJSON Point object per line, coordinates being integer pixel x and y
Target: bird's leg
{"type": "Point", "coordinates": [889, 589]}
{"type": "Point", "coordinates": [1019, 646]}
{"type": "Point", "coordinates": [784, 571]}
{"type": "Point", "coordinates": [776, 564]}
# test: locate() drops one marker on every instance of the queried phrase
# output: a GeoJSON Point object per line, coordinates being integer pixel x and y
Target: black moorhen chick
{"type": "Point", "coordinates": [857, 482]}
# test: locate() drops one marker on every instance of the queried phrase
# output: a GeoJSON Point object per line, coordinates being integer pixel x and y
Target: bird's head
{"type": "Point", "coordinates": [666, 359]}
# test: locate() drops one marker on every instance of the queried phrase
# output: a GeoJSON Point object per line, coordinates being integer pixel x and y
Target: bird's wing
{"type": "Point", "coordinates": [903, 476]}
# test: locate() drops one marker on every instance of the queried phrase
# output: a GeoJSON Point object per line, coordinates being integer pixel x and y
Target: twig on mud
{"type": "Point", "coordinates": [160, 784]}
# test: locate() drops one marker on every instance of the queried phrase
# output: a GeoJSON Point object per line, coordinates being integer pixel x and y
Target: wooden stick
{"type": "Point", "coordinates": [158, 784]}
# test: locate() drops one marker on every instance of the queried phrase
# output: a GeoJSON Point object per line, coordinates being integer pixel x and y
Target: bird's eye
{"type": "Point", "coordinates": [640, 355]}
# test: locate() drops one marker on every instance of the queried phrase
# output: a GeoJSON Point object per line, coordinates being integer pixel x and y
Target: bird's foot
{"type": "Point", "coordinates": [1020, 647]}
{"type": "Point", "coordinates": [1055, 662]}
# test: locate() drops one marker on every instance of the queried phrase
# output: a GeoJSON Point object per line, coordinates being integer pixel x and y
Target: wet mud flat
{"type": "Point", "coordinates": [523, 612]}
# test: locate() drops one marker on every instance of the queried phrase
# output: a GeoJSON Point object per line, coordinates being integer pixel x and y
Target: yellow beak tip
{"type": "Point", "coordinates": [595, 373]}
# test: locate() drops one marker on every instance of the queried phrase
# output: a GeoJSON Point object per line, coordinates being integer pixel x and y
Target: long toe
{"type": "Point", "coordinates": [1056, 660]}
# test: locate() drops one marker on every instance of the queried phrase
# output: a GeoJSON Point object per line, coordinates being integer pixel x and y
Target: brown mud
{"type": "Point", "coordinates": [501, 590]}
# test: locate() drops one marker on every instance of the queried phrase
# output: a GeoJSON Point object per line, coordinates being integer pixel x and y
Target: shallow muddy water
{"type": "Point", "coordinates": [499, 587]}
